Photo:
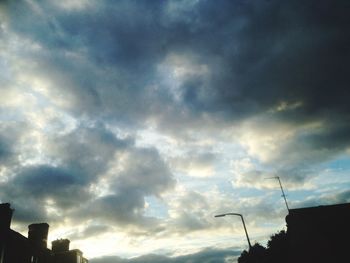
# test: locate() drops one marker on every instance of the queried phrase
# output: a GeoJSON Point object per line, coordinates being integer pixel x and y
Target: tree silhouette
{"type": "Point", "coordinates": [276, 251]}
{"type": "Point", "coordinates": [277, 247]}
{"type": "Point", "coordinates": [256, 254]}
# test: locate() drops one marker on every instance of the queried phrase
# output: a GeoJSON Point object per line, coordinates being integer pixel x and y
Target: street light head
{"type": "Point", "coordinates": [240, 215]}
{"type": "Point", "coordinates": [220, 215]}
{"type": "Point", "coordinates": [274, 177]}
{"type": "Point", "coordinates": [229, 214]}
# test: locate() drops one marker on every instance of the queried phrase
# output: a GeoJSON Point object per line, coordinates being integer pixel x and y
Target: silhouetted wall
{"type": "Point", "coordinates": [319, 234]}
{"type": "Point", "coordinates": [71, 256]}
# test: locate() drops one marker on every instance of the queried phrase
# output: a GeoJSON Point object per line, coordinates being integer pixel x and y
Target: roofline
{"type": "Point", "coordinates": [319, 207]}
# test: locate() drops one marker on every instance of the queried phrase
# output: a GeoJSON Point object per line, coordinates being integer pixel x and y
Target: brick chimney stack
{"type": "Point", "coordinates": [5, 216]}
{"type": "Point", "coordinates": [60, 245]}
{"type": "Point", "coordinates": [37, 235]}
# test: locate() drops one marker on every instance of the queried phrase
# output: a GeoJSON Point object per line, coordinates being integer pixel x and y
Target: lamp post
{"type": "Point", "coordinates": [245, 229]}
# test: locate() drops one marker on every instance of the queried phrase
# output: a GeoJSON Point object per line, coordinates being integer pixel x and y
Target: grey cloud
{"type": "Point", "coordinates": [5, 149]}
{"type": "Point", "coordinates": [76, 161]}
{"type": "Point", "coordinates": [124, 207]}
{"type": "Point", "coordinates": [143, 173]}
{"type": "Point", "coordinates": [325, 199]}
{"type": "Point", "coordinates": [320, 144]}
{"type": "Point", "coordinates": [209, 255]}
{"type": "Point", "coordinates": [298, 157]}
{"type": "Point", "coordinates": [146, 172]}
{"type": "Point", "coordinates": [29, 211]}
{"type": "Point", "coordinates": [192, 213]}
{"type": "Point", "coordinates": [293, 176]}
{"type": "Point", "coordinates": [10, 141]}
{"type": "Point", "coordinates": [86, 151]}
{"type": "Point", "coordinates": [42, 183]}
{"type": "Point", "coordinates": [37, 187]}
{"type": "Point", "coordinates": [79, 159]}
{"type": "Point", "coordinates": [188, 221]}
{"type": "Point", "coordinates": [193, 159]}
{"type": "Point", "coordinates": [42, 180]}
{"type": "Point", "coordinates": [90, 231]}
{"type": "Point", "coordinates": [342, 197]}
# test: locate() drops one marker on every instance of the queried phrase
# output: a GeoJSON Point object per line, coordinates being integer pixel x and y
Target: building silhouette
{"type": "Point", "coordinates": [16, 248]}
{"type": "Point", "coordinates": [319, 234]}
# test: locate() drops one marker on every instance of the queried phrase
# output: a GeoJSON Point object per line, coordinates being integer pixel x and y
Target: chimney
{"type": "Point", "coordinates": [5, 216]}
{"type": "Point", "coordinates": [60, 245]}
{"type": "Point", "coordinates": [37, 235]}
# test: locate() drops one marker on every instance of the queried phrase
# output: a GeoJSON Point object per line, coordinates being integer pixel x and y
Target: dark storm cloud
{"type": "Point", "coordinates": [308, 149]}
{"type": "Point", "coordinates": [209, 255]}
{"type": "Point", "coordinates": [118, 51]}
{"type": "Point", "coordinates": [44, 180]}
{"type": "Point", "coordinates": [35, 185]}
{"type": "Point", "coordinates": [259, 53]}
{"type": "Point", "coordinates": [27, 211]}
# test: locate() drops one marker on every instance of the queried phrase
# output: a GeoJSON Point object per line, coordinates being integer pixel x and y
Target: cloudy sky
{"type": "Point", "coordinates": [127, 125]}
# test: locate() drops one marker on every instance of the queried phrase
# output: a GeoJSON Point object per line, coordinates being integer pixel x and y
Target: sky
{"type": "Point", "coordinates": [127, 125]}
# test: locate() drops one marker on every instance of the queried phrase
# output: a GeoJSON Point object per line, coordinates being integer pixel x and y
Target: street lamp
{"type": "Point", "coordinates": [245, 229]}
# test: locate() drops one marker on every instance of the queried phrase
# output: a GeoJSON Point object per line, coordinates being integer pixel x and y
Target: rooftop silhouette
{"type": "Point", "coordinates": [314, 234]}
{"type": "Point", "coordinates": [16, 248]}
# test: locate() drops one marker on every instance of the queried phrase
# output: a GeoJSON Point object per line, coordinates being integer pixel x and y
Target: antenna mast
{"type": "Point", "coordinates": [283, 194]}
